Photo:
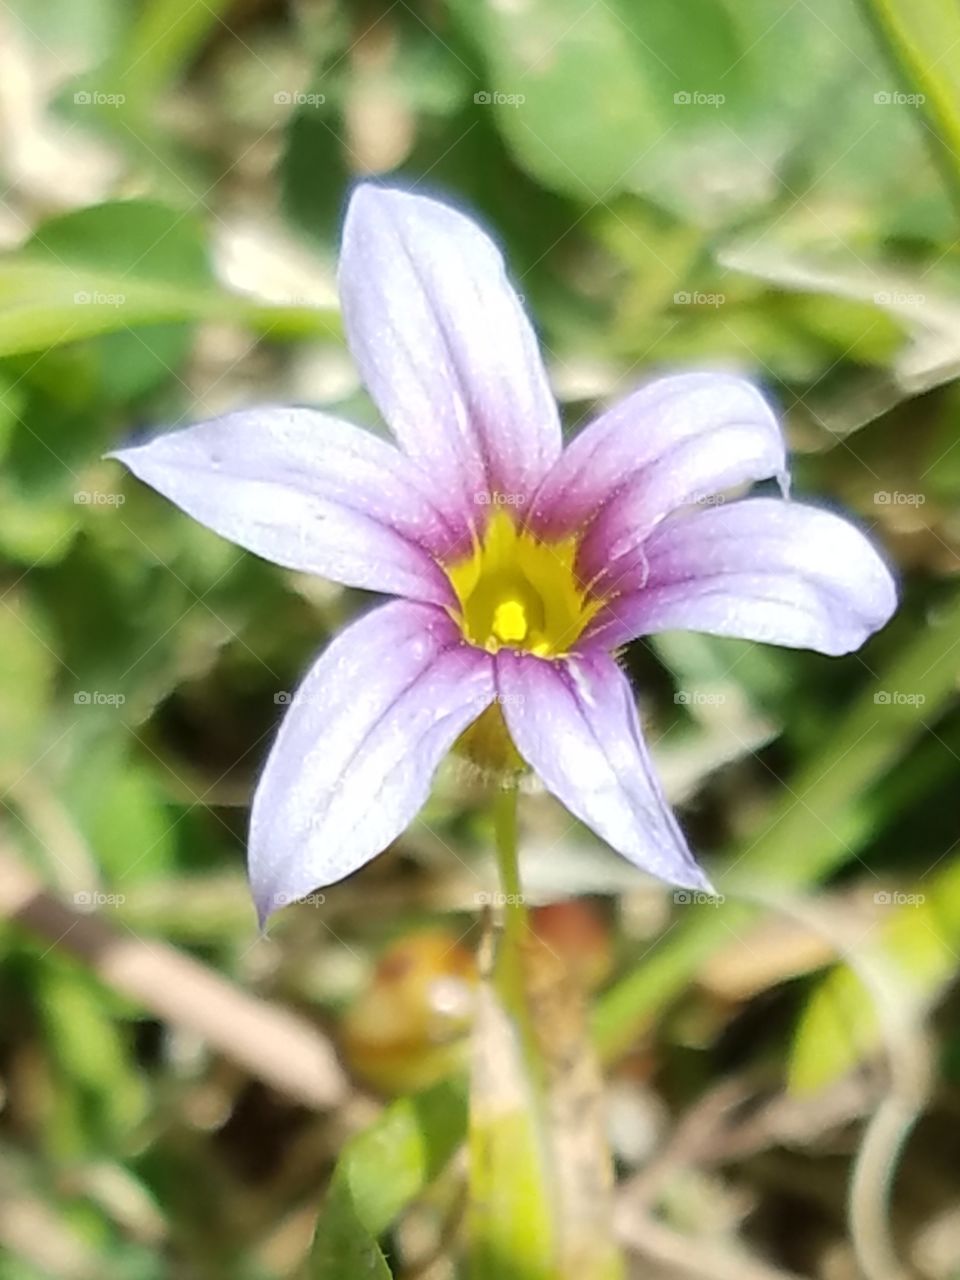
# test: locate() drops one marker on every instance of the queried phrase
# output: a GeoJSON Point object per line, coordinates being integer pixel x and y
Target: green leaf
{"type": "Point", "coordinates": [345, 1247]}
{"type": "Point", "coordinates": [617, 98]}
{"type": "Point", "coordinates": [37, 515]}
{"type": "Point", "coordinates": [141, 237]}
{"type": "Point", "coordinates": [924, 303]}
{"type": "Point", "coordinates": [84, 27]}
{"type": "Point", "coordinates": [114, 267]}
{"type": "Point", "coordinates": [914, 955]}
{"type": "Point", "coordinates": [159, 42]}
{"type": "Point", "coordinates": [793, 852]}
{"type": "Point", "coordinates": [136, 238]}
{"type": "Point", "coordinates": [119, 808]}
{"type": "Point", "coordinates": [918, 36]}
{"type": "Point", "coordinates": [377, 1176]}
{"type": "Point", "coordinates": [546, 60]}
{"type": "Point", "coordinates": [26, 677]}
{"type": "Point", "coordinates": [91, 1050]}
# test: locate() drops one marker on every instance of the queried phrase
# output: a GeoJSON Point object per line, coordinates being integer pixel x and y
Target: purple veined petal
{"type": "Point", "coordinates": [308, 492]}
{"type": "Point", "coordinates": [761, 569]}
{"type": "Point", "coordinates": [359, 745]}
{"type": "Point", "coordinates": [575, 723]}
{"type": "Point", "coordinates": [445, 348]}
{"type": "Point", "coordinates": [674, 441]}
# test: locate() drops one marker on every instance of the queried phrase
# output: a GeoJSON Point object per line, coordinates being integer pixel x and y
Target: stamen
{"type": "Point", "coordinates": [516, 591]}
{"type": "Point", "coordinates": [510, 622]}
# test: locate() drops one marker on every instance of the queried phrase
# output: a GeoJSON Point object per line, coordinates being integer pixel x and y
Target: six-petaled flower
{"type": "Point", "coordinates": [519, 566]}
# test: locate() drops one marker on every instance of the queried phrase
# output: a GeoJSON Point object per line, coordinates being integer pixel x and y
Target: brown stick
{"type": "Point", "coordinates": [272, 1044]}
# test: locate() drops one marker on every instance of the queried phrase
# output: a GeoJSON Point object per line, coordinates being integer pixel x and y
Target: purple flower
{"type": "Point", "coordinates": [519, 565]}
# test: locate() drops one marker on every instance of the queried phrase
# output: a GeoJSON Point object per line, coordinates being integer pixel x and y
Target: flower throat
{"type": "Point", "coordinates": [517, 592]}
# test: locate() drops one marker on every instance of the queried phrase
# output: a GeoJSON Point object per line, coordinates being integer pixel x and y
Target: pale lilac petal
{"type": "Point", "coordinates": [359, 745]}
{"type": "Point", "coordinates": [445, 349]}
{"type": "Point", "coordinates": [575, 724]}
{"type": "Point", "coordinates": [762, 569]}
{"type": "Point", "coordinates": [308, 492]}
{"type": "Point", "coordinates": [673, 442]}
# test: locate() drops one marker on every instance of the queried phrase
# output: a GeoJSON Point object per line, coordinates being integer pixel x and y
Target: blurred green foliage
{"type": "Point", "coordinates": [776, 195]}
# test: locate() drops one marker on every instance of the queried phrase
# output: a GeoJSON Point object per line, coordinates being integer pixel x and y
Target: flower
{"type": "Point", "coordinates": [519, 565]}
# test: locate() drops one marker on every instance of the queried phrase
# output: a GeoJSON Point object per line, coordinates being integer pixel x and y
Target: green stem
{"type": "Point", "coordinates": [530, 1109]}
{"type": "Point", "coordinates": [515, 922]}
{"type": "Point", "coordinates": [512, 1229]}
{"type": "Point", "coordinates": [508, 862]}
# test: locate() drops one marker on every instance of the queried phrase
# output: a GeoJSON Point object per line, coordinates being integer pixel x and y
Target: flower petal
{"type": "Point", "coordinates": [445, 349]}
{"type": "Point", "coordinates": [576, 724]}
{"type": "Point", "coordinates": [674, 441]}
{"type": "Point", "coordinates": [762, 569]}
{"type": "Point", "coordinates": [358, 747]}
{"type": "Point", "coordinates": [308, 492]}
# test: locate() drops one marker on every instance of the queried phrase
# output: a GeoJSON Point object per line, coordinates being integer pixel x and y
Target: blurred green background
{"type": "Point", "coordinates": [744, 184]}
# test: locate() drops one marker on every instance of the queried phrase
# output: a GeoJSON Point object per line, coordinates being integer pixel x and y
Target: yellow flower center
{"type": "Point", "coordinates": [517, 592]}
